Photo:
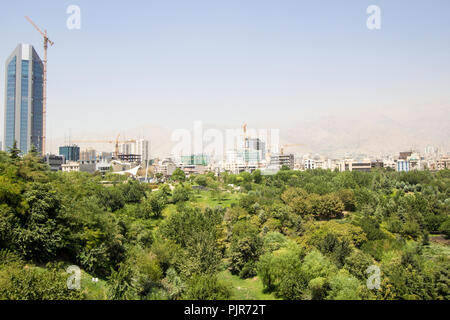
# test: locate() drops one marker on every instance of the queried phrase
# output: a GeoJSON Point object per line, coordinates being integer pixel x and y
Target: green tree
{"type": "Point", "coordinates": [347, 197]}
{"type": "Point", "coordinates": [154, 205]}
{"type": "Point", "coordinates": [180, 194]}
{"type": "Point", "coordinates": [445, 228]}
{"type": "Point", "coordinates": [38, 233]}
{"type": "Point", "coordinates": [245, 248]}
{"type": "Point", "coordinates": [201, 180]}
{"type": "Point", "coordinates": [197, 232]}
{"type": "Point", "coordinates": [14, 152]}
{"type": "Point", "coordinates": [280, 270]}
{"type": "Point", "coordinates": [257, 176]}
{"type": "Point", "coordinates": [178, 175]}
{"type": "Point", "coordinates": [357, 263]}
{"type": "Point", "coordinates": [327, 206]}
{"type": "Point", "coordinates": [344, 287]}
{"type": "Point", "coordinates": [133, 191]}
{"type": "Point", "coordinates": [112, 198]}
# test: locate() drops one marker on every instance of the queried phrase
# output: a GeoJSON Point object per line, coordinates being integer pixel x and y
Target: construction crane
{"type": "Point", "coordinates": [244, 128]}
{"type": "Point", "coordinates": [288, 146]}
{"type": "Point", "coordinates": [44, 89]}
{"type": "Point", "coordinates": [115, 142]}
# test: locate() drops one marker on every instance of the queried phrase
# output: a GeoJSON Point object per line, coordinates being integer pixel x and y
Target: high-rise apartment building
{"type": "Point", "coordinates": [88, 155]}
{"type": "Point", "coordinates": [256, 144]}
{"type": "Point", "coordinates": [23, 100]}
{"type": "Point", "coordinates": [139, 148]}
{"type": "Point", "coordinates": [142, 148]}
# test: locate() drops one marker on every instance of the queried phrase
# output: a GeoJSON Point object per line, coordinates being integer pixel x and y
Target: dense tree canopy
{"type": "Point", "coordinates": [303, 235]}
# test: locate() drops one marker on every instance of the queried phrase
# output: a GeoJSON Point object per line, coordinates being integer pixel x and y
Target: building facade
{"type": "Point", "coordinates": [166, 167]}
{"type": "Point", "coordinates": [89, 155]}
{"type": "Point", "coordinates": [309, 164]}
{"type": "Point", "coordinates": [200, 160]}
{"type": "Point", "coordinates": [70, 166]}
{"type": "Point", "coordinates": [256, 144]}
{"type": "Point", "coordinates": [443, 163]}
{"type": "Point", "coordinates": [402, 166]}
{"type": "Point", "coordinates": [55, 162]}
{"type": "Point", "coordinates": [140, 147]}
{"type": "Point", "coordinates": [23, 121]}
{"type": "Point", "coordinates": [70, 153]}
{"type": "Point", "coordinates": [282, 160]}
{"type": "Point", "coordinates": [134, 158]}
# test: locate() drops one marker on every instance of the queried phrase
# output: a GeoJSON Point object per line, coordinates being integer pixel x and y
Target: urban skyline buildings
{"type": "Point", "coordinates": [70, 153]}
{"type": "Point", "coordinates": [23, 120]}
{"type": "Point", "coordinates": [139, 147]}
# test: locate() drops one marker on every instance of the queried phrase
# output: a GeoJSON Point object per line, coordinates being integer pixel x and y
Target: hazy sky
{"type": "Point", "coordinates": [169, 63]}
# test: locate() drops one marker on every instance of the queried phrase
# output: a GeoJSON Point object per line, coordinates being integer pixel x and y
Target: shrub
{"type": "Point", "coordinates": [206, 287]}
{"type": "Point", "coordinates": [22, 282]}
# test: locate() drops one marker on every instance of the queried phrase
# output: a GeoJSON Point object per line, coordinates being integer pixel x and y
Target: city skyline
{"type": "Point", "coordinates": [286, 66]}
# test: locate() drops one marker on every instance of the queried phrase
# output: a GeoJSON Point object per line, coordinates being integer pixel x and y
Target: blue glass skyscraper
{"type": "Point", "coordinates": [23, 100]}
{"type": "Point", "coordinates": [70, 153]}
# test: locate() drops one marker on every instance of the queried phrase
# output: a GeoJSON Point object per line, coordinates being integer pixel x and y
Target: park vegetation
{"type": "Point", "coordinates": [299, 234]}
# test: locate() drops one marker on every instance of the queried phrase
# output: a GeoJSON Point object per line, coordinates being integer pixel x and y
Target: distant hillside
{"type": "Point", "coordinates": [378, 132]}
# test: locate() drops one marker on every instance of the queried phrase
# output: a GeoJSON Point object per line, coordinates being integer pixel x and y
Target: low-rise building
{"type": "Point", "coordinates": [70, 166]}
{"type": "Point", "coordinates": [404, 155]}
{"type": "Point", "coordinates": [390, 164]}
{"type": "Point", "coordinates": [353, 165]}
{"type": "Point", "coordinates": [193, 169]}
{"type": "Point", "coordinates": [103, 167]}
{"type": "Point", "coordinates": [309, 164]}
{"type": "Point", "coordinates": [402, 165]}
{"type": "Point", "coordinates": [165, 167]}
{"type": "Point", "coordinates": [282, 160]}
{"type": "Point", "coordinates": [132, 158]}
{"type": "Point", "coordinates": [377, 164]}
{"type": "Point", "coordinates": [361, 165]}
{"type": "Point", "coordinates": [443, 163]}
{"type": "Point", "coordinates": [55, 162]}
{"type": "Point", "coordinates": [414, 162]}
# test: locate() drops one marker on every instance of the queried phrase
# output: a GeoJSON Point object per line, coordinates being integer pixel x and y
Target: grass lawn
{"type": "Point", "coordinates": [207, 198]}
{"type": "Point", "coordinates": [245, 289]}
{"type": "Point", "coordinates": [93, 290]}
{"type": "Point", "coordinates": [171, 208]}
{"type": "Point", "coordinates": [436, 249]}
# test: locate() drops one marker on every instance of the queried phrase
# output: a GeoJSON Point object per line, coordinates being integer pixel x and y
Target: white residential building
{"type": "Point", "coordinates": [70, 166]}
{"type": "Point", "coordinates": [309, 164]}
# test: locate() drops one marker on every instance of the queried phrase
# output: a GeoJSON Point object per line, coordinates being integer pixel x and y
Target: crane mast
{"type": "Point", "coordinates": [44, 80]}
